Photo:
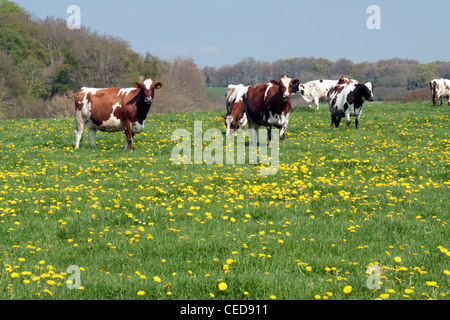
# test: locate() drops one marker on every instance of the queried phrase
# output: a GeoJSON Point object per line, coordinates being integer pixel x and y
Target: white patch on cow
{"type": "Point", "coordinates": [286, 81]}
{"type": "Point", "coordinates": [137, 127]}
{"type": "Point", "coordinates": [278, 120]}
{"type": "Point", "coordinates": [269, 85]}
{"type": "Point", "coordinates": [237, 95]}
{"type": "Point", "coordinates": [148, 83]}
{"type": "Point", "coordinates": [91, 90]}
{"type": "Point", "coordinates": [113, 123]}
{"type": "Point", "coordinates": [368, 84]}
{"type": "Point", "coordinates": [125, 91]}
{"type": "Point", "coordinates": [243, 121]}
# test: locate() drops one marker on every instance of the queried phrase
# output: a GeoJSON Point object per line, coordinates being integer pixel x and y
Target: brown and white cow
{"type": "Point", "coordinates": [235, 108]}
{"type": "Point", "coordinates": [114, 109]}
{"type": "Point", "coordinates": [440, 88]}
{"type": "Point", "coordinates": [346, 99]}
{"type": "Point", "coordinates": [269, 105]}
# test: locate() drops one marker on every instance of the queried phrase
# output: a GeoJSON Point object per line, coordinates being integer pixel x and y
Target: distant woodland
{"type": "Point", "coordinates": [43, 63]}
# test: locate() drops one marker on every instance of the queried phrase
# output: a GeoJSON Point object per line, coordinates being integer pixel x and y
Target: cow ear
{"type": "Point", "coordinates": [295, 82]}
{"type": "Point", "coordinates": [137, 85]}
{"type": "Point", "coordinates": [275, 82]}
{"type": "Point", "coordinates": [158, 85]}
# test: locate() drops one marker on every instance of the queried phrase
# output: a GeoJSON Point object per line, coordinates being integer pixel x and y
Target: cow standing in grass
{"type": "Point", "coordinates": [235, 108]}
{"type": "Point", "coordinates": [440, 88]}
{"type": "Point", "coordinates": [269, 105]}
{"type": "Point", "coordinates": [114, 109]}
{"type": "Point", "coordinates": [315, 91]}
{"type": "Point", "coordinates": [346, 98]}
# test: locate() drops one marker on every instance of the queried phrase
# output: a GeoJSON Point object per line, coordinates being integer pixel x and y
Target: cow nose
{"type": "Point", "coordinates": [148, 100]}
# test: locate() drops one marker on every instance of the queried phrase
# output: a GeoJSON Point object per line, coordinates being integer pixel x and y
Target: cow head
{"type": "Point", "coordinates": [366, 90]}
{"type": "Point", "coordinates": [230, 123]}
{"type": "Point", "coordinates": [147, 87]}
{"type": "Point", "coordinates": [288, 86]}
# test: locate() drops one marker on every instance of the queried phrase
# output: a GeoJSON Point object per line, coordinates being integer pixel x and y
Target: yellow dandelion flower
{"type": "Point", "coordinates": [141, 293]}
{"type": "Point", "coordinates": [157, 279]}
{"type": "Point", "coordinates": [48, 291]}
{"type": "Point", "coordinates": [223, 286]}
{"type": "Point", "coordinates": [398, 259]}
{"type": "Point", "coordinates": [347, 289]}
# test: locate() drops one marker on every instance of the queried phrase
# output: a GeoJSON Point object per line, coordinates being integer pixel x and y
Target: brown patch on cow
{"type": "Point", "coordinates": [351, 96]}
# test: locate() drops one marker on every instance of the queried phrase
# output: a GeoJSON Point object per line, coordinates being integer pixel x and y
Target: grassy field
{"type": "Point", "coordinates": [138, 226]}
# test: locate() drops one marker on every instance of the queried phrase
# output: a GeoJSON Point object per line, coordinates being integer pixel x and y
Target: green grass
{"type": "Point", "coordinates": [342, 200]}
{"type": "Point", "coordinates": [220, 91]}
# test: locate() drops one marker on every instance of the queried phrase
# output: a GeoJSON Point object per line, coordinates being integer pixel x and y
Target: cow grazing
{"type": "Point", "coordinates": [346, 99]}
{"type": "Point", "coordinates": [269, 105]}
{"type": "Point", "coordinates": [440, 88]}
{"type": "Point", "coordinates": [114, 109]}
{"type": "Point", "coordinates": [315, 91]}
{"type": "Point", "coordinates": [235, 108]}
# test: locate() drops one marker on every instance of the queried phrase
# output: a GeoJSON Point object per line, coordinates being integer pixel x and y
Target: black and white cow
{"type": "Point", "coordinates": [346, 98]}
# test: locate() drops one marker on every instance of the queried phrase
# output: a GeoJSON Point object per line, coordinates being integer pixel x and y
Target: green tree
{"type": "Point", "coordinates": [10, 7]}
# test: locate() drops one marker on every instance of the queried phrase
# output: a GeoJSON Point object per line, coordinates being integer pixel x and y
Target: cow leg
{"type": "Point", "coordinates": [253, 128]}
{"type": "Point", "coordinates": [282, 133]}
{"type": "Point", "coordinates": [336, 120]}
{"type": "Point", "coordinates": [316, 102]}
{"type": "Point", "coordinates": [79, 129]}
{"type": "Point", "coordinates": [269, 133]}
{"type": "Point", "coordinates": [129, 136]}
{"type": "Point", "coordinates": [92, 133]}
{"type": "Point", "coordinates": [347, 119]}
{"type": "Point", "coordinates": [357, 119]}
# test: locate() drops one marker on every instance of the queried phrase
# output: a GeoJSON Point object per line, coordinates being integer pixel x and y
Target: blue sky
{"type": "Point", "coordinates": [216, 33]}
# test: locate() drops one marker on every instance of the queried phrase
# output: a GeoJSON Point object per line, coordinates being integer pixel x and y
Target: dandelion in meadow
{"type": "Point", "coordinates": [347, 289]}
{"type": "Point", "coordinates": [222, 286]}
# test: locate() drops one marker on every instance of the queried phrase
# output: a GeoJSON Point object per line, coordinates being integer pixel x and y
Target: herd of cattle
{"type": "Point", "coordinates": [268, 104]}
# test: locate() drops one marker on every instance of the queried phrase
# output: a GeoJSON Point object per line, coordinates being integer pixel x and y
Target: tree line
{"type": "Point", "coordinates": [393, 79]}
